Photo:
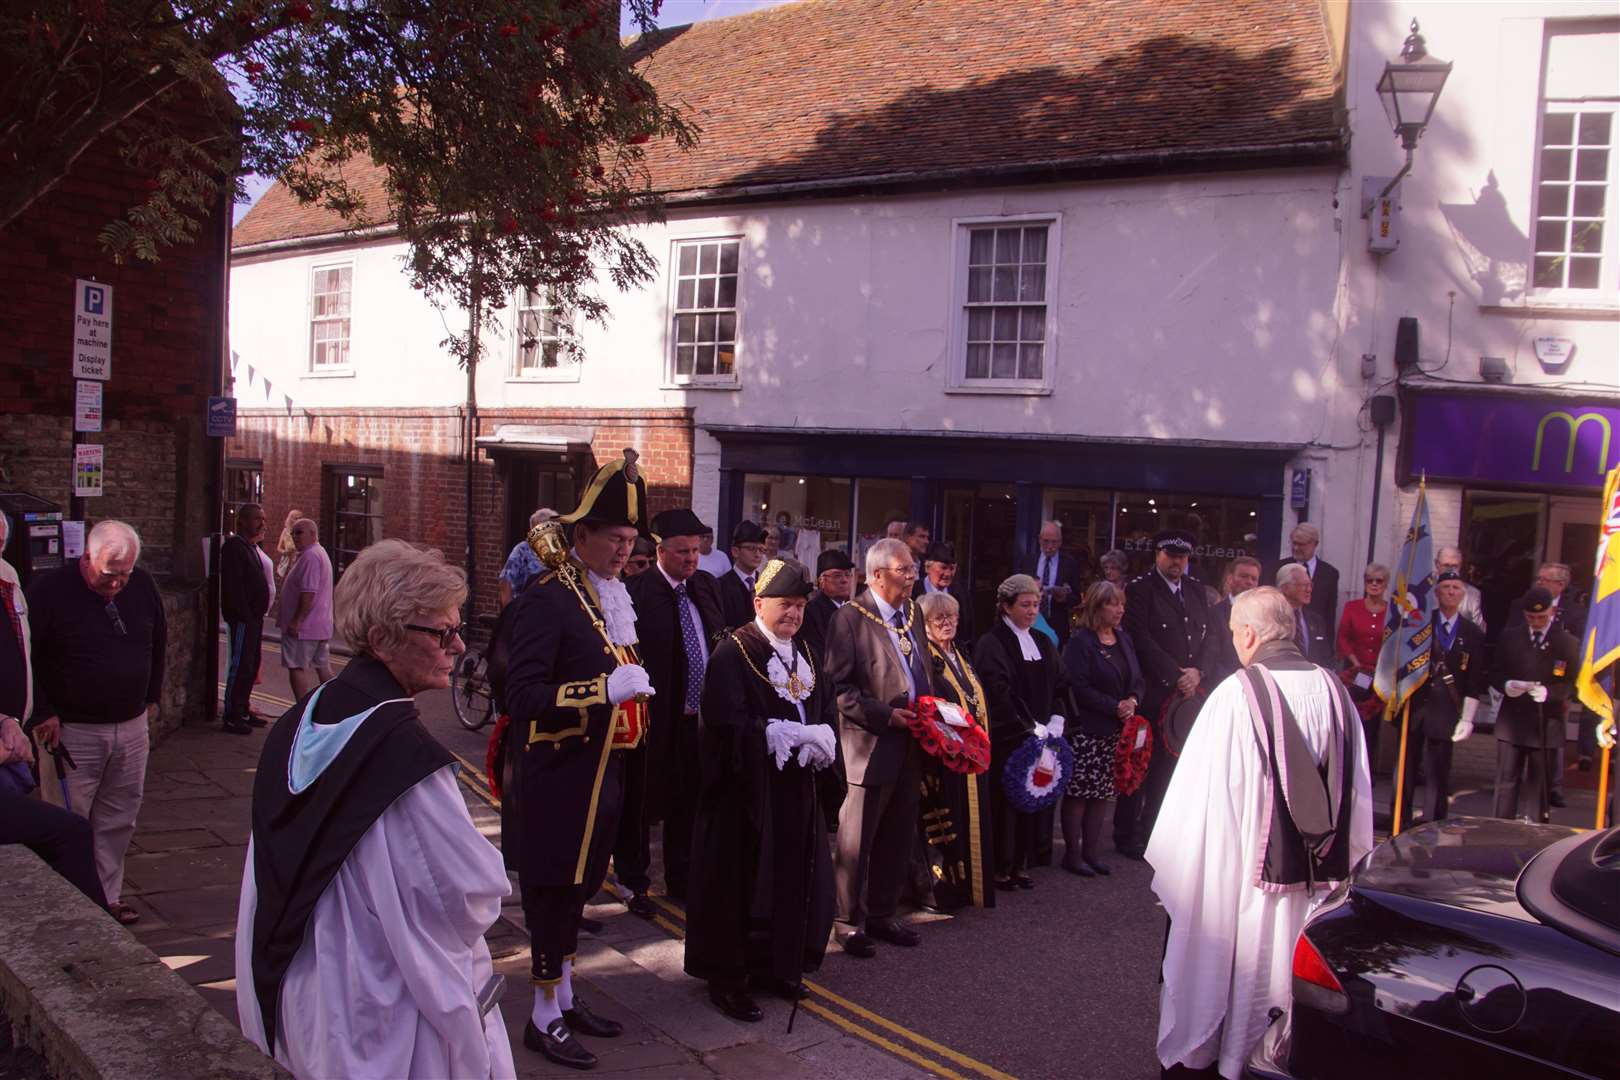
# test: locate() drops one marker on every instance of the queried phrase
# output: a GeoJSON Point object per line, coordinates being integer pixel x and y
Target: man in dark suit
{"type": "Point", "coordinates": [1324, 576]}
{"type": "Point", "coordinates": [939, 575]}
{"type": "Point", "coordinates": [835, 584]}
{"type": "Point", "coordinates": [1570, 616]}
{"type": "Point", "coordinates": [677, 618]}
{"type": "Point", "coordinates": [737, 587]}
{"type": "Point", "coordinates": [1168, 619]}
{"type": "Point", "coordinates": [1534, 669]}
{"type": "Point", "coordinates": [1310, 633]}
{"type": "Point", "coordinates": [1242, 574]}
{"type": "Point", "coordinates": [1059, 576]}
{"type": "Point", "coordinates": [877, 662]}
{"type": "Point", "coordinates": [1443, 708]}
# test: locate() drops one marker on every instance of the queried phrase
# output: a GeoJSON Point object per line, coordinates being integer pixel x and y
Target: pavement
{"type": "Point", "coordinates": [1060, 981]}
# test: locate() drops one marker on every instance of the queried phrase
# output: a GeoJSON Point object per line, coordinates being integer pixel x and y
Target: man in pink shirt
{"type": "Point", "coordinates": [305, 612]}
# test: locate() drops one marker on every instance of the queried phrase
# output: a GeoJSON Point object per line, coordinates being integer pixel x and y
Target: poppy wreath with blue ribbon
{"type": "Point", "coordinates": [1031, 784]}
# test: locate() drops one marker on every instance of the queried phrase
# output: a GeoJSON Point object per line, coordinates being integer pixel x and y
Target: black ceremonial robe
{"type": "Point", "coordinates": [760, 898]}
{"type": "Point", "coordinates": [955, 838]}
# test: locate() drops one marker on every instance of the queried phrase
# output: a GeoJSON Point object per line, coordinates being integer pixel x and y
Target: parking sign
{"type": "Point", "coordinates": [92, 330]}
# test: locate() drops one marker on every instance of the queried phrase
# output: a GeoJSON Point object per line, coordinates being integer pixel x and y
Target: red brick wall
{"type": "Point", "coordinates": [424, 470]}
{"type": "Point", "coordinates": [168, 326]}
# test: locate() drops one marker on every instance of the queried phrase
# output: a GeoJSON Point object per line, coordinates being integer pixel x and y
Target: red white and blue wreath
{"type": "Point", "coordinates": [1037, 772]}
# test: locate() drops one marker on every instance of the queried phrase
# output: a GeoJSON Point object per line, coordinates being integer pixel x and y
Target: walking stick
{"type": "Point", "coordinates": [1603, 789]}
{"type": "Point", "coordinates": [1545, 815]}
{"type": "Point", "coordinates": [1400, 771]}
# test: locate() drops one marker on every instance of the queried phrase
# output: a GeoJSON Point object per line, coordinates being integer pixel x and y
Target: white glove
{"type": "Point", "coordinates": [1538, 693]}
{"type": "Point", "coordinates": [1605, 735]}
{"type": "Point", "coordinates": [817, 746]}
{"type": "Point", "coordinates": [781, 736]}
{"type": "Point", "coordinates": [626, 681]}
{"type": "Point", "coordinates": [1054, 727]}
{"type": "Point", "coordinates": [1515, 687]}
{"type": "Point", "coordinates": [1465, 726]}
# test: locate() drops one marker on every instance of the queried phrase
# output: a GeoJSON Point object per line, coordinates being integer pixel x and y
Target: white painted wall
{"type": "Point", "coordinates": [1462, 268]}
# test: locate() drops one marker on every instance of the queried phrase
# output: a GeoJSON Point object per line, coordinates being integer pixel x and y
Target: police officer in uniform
{"type": "Point", "coordinates": [1534, 669]}
{"type": "Point", "coordinates": [577, 694]}
{"type": "Point", "coordinates": [1443, 707]}
{"type": "Point", "coordinates": [1167, 616]}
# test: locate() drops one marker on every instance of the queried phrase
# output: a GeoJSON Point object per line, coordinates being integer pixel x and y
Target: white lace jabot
{"type": "Point", "coordinates": [618, 610]}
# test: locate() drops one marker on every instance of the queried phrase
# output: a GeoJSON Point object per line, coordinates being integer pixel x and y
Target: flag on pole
{"type": "Point", "coordinates": [1601, 648]}
{"type": "Point", "coordinates": [1403, 658]}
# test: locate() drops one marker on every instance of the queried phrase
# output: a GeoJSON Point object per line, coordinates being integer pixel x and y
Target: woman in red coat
{"type": "Point", "coordinates": [1361, 636]}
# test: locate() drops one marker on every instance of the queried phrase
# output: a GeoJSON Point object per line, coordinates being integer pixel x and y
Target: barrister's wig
{"type": "Point", "coordinates": [1008, 592]}
{"type": "Point", "coordinates": [389, 584]}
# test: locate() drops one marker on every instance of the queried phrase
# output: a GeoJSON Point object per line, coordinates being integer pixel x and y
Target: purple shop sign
{"type": "Point", "coordinates": [1539, 442]}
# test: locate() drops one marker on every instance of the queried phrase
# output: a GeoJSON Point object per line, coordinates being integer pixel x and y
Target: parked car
{"type": "Point", "coordinates": [1467, 948]}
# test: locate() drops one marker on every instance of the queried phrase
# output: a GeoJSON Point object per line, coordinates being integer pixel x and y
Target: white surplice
{"type": "Point", "coordinates": [1230, 952]}
{"type": "Point", "coordinates": [386, 981]}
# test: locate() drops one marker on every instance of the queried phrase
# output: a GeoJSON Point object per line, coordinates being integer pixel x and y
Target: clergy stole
{"type": "Point", "coordinates": [1308, 839]}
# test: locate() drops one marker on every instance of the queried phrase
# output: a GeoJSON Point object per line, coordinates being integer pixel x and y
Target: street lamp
{"type": "Point", "coordinates": [1408, 91]}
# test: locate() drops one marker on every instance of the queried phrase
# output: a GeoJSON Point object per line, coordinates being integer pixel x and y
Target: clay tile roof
{"type": "Point", "coordinates": [879, 91]}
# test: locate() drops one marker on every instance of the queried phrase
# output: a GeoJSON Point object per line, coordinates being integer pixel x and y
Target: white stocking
{"type": "Point", "coordinates": [565, 989]}
{"type": "Point", "coordinates": [546, 1008]}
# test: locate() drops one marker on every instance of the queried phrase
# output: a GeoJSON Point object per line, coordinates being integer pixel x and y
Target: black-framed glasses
{"type": "Point", "coordinates": [444, 634]}
{"type": "Point", "coordinates": [117, 619]}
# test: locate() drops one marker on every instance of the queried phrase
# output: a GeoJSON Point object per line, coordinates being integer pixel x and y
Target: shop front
{"type": "Point", "coordinates": [1528, 470]}
{"type": "Point", "coordinates": [989, 495]}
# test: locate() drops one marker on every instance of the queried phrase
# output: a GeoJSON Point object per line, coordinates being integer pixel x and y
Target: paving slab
{"type": "Point", "coordinates": [173, 840]}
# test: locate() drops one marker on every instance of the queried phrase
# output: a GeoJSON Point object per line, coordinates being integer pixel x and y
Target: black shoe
{"type": "Point", "coordinates": [590, 925]}
{"type": "Point", "coordinates": [1585, 764]}
{"type": "Point", "coordinates": [641, 904]}
{"type": "Point", "coordinates": [236, 727]}
{"type": "Point", "coordinates": [894, 933]}
{"type": "Point", "coordinates": [786, 989]}
{"type": "Point", "coordinates": [736, 1004]}
{"type": "Point", "coordinates": [558, 1044]}
{"type": "Point", "coordinates": [1098, 867]}
{"type": "Point", "coordinates": [1557, 799]}
{"type": "Point", "coordinates": [1079, 868]}
{"type": "Point", "coordinates": [581, 1019]}
{"type": "Point", "coordinates": [1006, 884]}
{"type": "Point", "coordinates": [1135, 854]}
{"type": "Point", "coordinates": [858, 945]}
{"type": "Point", "coordinates": [254, 720]}
{"type": "Point", "coordinates": [1023, 881]}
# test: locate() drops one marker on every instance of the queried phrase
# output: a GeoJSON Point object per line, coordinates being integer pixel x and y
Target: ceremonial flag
{"type": "Point", "coordinates": [1601, 649]}
{"type": "Point", "coordinates": [1403, 659]}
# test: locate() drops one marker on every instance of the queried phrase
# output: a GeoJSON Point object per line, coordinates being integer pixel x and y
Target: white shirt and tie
{"type": "Point", "coordinates": [887, 613]}
{"type": "Point", "coordinates": [1047, 572]}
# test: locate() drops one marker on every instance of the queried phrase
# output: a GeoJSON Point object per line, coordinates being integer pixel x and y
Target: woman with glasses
{"type": "Point", "coordinates": [955, 836]}
{"type": "Point", "coordinates": [1361, 635]}
{"type": "Point", "coordinates": [360, 936]}
{"type": "Point", "coordinates": [1024, 681]}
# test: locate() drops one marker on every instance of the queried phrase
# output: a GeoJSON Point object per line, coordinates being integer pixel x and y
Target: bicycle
{"type": "Point", "coordinates": [470, 691]}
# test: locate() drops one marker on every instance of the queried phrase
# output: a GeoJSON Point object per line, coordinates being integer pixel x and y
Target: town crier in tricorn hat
{"type": "Point", "coordinates": [576, 692]}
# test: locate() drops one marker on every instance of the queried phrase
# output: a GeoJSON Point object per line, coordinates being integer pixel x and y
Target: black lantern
{"type": "Point", "coordinates": [1410, 88]}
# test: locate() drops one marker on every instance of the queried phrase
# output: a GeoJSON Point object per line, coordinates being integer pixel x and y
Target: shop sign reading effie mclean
{"type": "Point", "coordinates": [1537, 442]}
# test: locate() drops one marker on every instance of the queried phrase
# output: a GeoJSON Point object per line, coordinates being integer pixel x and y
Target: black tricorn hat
{"type": "Point", "coordinates": [747, 532]}
{"type": "Point", "coordinates": [941, 551]}
{"type": "Point", "coordinates": [616, 495]}
{"type": "Point", "coordinates": [680, 522]}
{"type": "Point", "coordinates": [1177, 541]}
{"type": "Point", "coordinates": [1179, 716]}
{"type": "Point", "coordinates": [782, 578]}
{"type": "Point", "coordinates": [1537, 600]}
{"type": "Point", "coordinates": [833, 559]}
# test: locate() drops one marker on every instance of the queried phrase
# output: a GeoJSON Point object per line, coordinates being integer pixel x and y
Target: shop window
{"type": "Point", "coordinates": [704, 333]}
{"type": "Point", "coordinates": [545, 348]}
{"type": "Point", "coordinates": [1003, 338]}
{"type": "Point", "coordinates": [356, 513]}
{"type": "Point", "coordinates": [1222, 528]}
{"type": "Point", "coordinates": [877, 502]}
{"type": "Point", "coordinates": [810, 513]}
{"type": "Point", "coordinates": [1575, 248]}
{"type": "Point", "coordinates": [330, 303]}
